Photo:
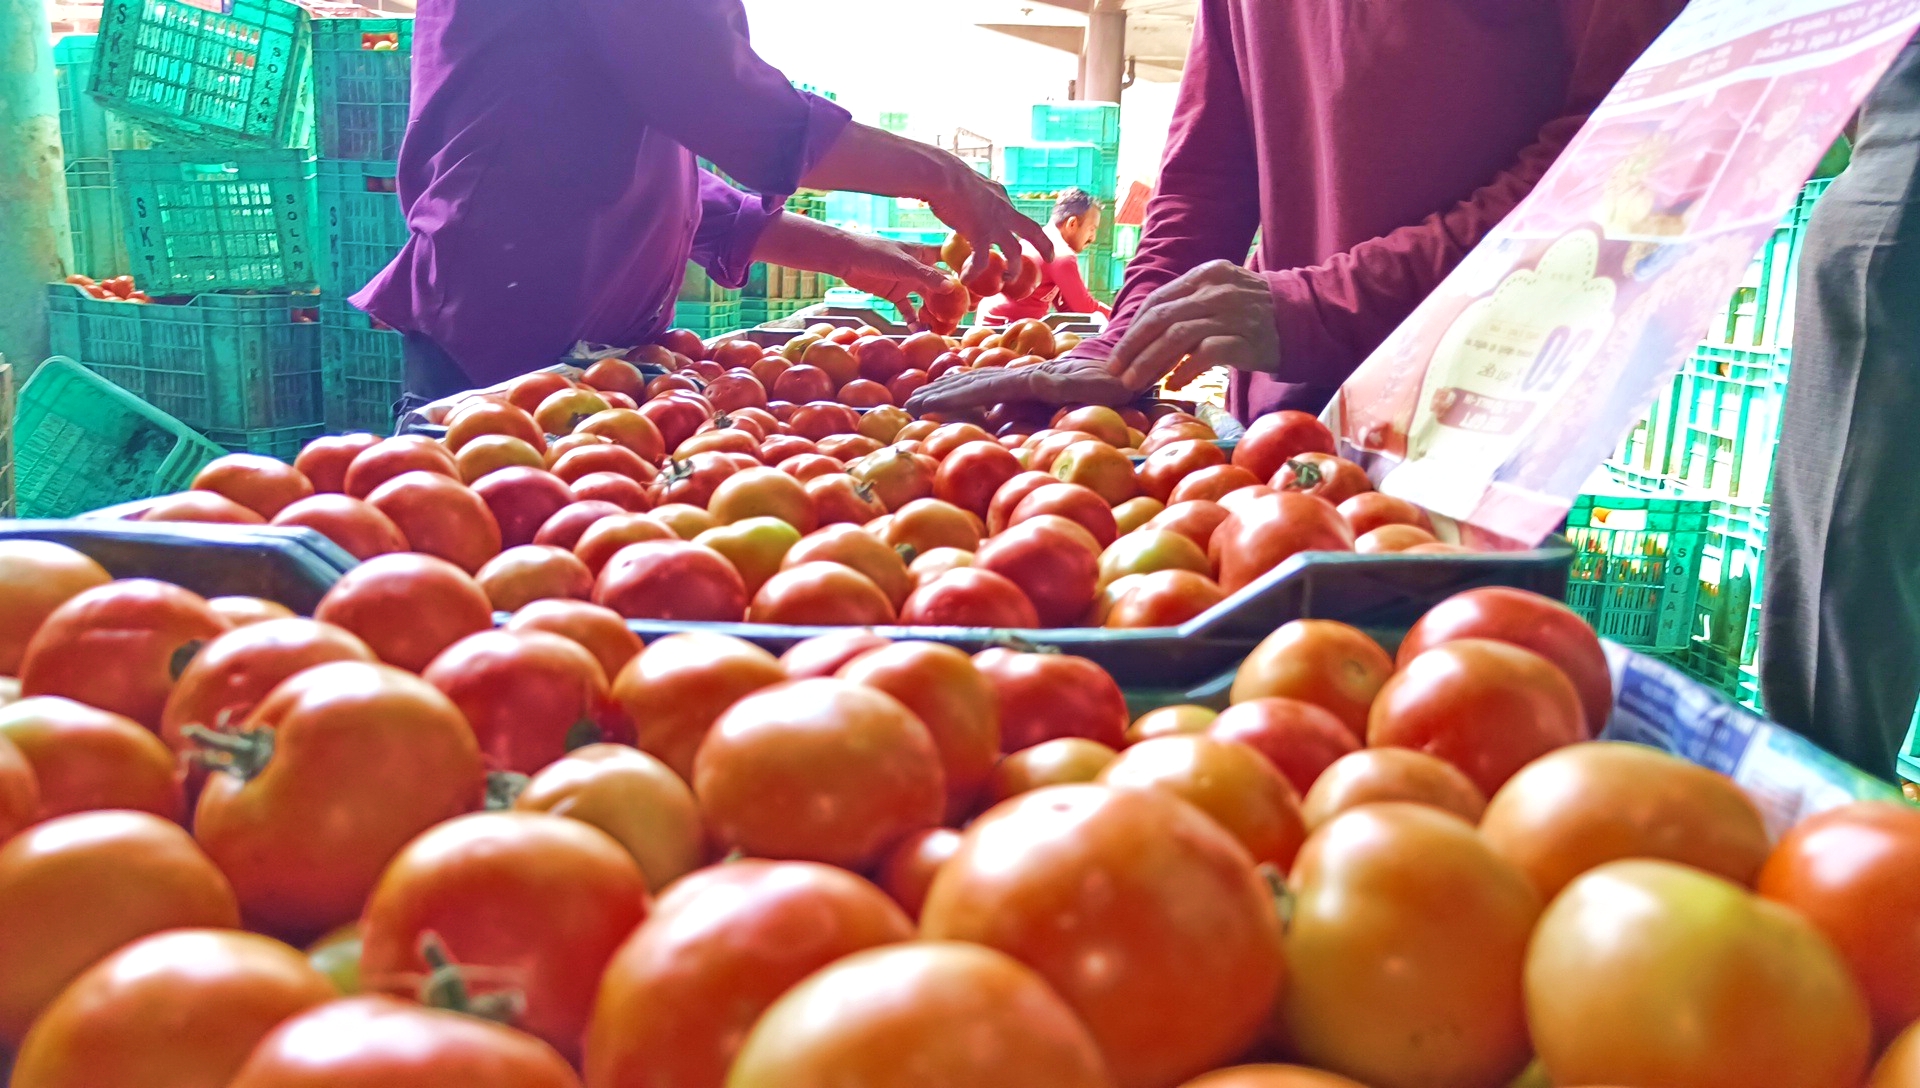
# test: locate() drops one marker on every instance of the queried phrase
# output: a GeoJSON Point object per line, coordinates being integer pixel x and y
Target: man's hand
{"type": "Point", "coordinates": [1061, 381]}
{"type": "Point", "coordinates": [978, 210]}
{"type": "Point", "coordinates": [892, 270]}
{"type": "Point", "coordinates": [1219, 314]}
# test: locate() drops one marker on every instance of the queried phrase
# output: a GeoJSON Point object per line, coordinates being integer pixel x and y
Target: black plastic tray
{"type": "Point", "coordinates": [293, 566]}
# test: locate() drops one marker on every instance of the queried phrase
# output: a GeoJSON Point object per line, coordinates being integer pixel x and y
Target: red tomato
{"type": "Point", "coordinates": [1489, 708]}
{"type": "Point", "coordinates": [974, 1014]}
{"type": "Point", "coordinates": [570, 522]}
{"type": "Point", "coordinates": [675, 688]}
{"type": "Point", "coordinates": [391, 457]}
{"type": "Point", "coordinates": [1162, 598]}
{"type": "Point", "coordinates": [36, 577]}
{"type": "Point", "coordinates": [1272, 530]}
{"type": "Point", "coordinates": [587, 460]}
{"type": "Point", "coordinates": [839, 499]}
{"type": "Point", "coordinates": [440, 517]}
{"type": "Point", "coordinates": [324, 460]}
{"type": "Point", "coordinates": [1212, 484]}
{"type": "Point", "coordinates": [739, 440]}
{"type": "Point", "coordinates": [950, 696]}
{"type": "Point", "coordinates": [75, 888]}
{"type": "Point", "coordinates": [119, 646]}
{"type": "Point", "coordinates": [1228, 781]}
{"type": "Point", "coordinates": [1165, 467]}
{"type": "Point", "coordinates": [691, 480]}
{"type": "Point", "coordinates": [972, 473]}
{"type": "Point", "coordinates": [199, 507]}
{"type": "Point", "coordinates": [825, 655]}
{"type": "Point", "coordinates": [615, 375]}
{"type": "Point", "coordinates": [520, 499]}
{"type": "Point", "coordinates": [629, 428]}
{"type": "Point", "coordinates": [822, 419]}
{"type": "Point", "coordinates": [1373, 775]}
{"type": "Point", "coordinates": [600, 630]}
{"type": "Point", "coordinates": [907, 384]}
{"type": "Point", "coordinates": [261, 484]}
{"type": "Point", "coordinates": [304, 845]}
{"type": "Point", "coordinates": [360, 530]}
{"type": "Point", "coordinates": [19, 791]}
{"type": "Point", "coordinates": [818, 770]}
{"type": "Point", "coordinates": [1299, 738]}
{"type": "Point", "coordinates": [1073, 502]}
{"type": "Point", "coordinates": [543, 897]}
{"type": "Point", "coordinates": [674, 419]}
{"type": "Point", "coordinates": [1850, 871]}
{"type": "Point", "coordinates": [530, 696]}
{"type": "Point", "coordinates": [910, 868]}
{"type": "Point", "coordinates": [1531, 622]}
{"type": "Point", "coordinates": [1279, 437]}
{"type": "Point", "coordinates": [380, 1040]}
{"type": "Point", "coordinates": [228, 678]}
{"type": "Point", "coordinates": [763, 492]}
{"type": "Point", "coordinates": [966, 597]}
{"type": "Point", "coordinates": [84, 759]}
{"type": "Point", "coordinates": [1044, 696]}
{"type": "Point", "coordinates": [121, 1022]}
{"type": "Point", "coordinates": [860, 551]}
{"type": "Point", "coordinates": [1324, 475]}
{"type": "Point", "coordinates": [679, 996]}
{"type": "Point", "coordinates": [1321, 662]}
{"type": "Point", "coordinates": [529, 390]}
{"type": "Point", "coordinates": [1055, 571]}
{"type": "Point", "coordinates": [1066, 761]}
{"type": "Point", "coordinates": [407, 607]}
{"type": "Point", "coordinates": [486, 416]}
{"type": "Point", "coordinates": [1165, 902]}
{"type": "Point", "coordinates": [622, 491]}
{"type": "Point", "coordinates": [532, 572]}
{"type": "Point", "coordinates": [1370, 510]}
{"type": "Point", "coordinates": [671, 580]}
{"type": "Point", "coordinates": [896, 477]}
{"type": "Point", "coordinates": [1195, 519]}
{"type": "Point", "coordinates": [604, 538]}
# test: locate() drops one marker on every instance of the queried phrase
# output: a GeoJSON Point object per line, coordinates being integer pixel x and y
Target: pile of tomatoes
{"type": "Point", "coordinates": [546, 855]}
{"type": "Point", "coordinates": [692, 497]}
{"type": "Point", "coordinates": [114, 289]}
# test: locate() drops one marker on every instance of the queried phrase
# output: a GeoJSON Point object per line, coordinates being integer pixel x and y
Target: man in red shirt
{"type": "Point", "coordinates": [1074, 225]}
{"type": "Point", "coordinates": [1371, 144]}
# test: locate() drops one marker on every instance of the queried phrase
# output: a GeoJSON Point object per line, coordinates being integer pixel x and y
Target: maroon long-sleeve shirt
{"type": "Point", "coordinates": [1372, 143]}
{"type": "Point", "coordinates": [548, 172]}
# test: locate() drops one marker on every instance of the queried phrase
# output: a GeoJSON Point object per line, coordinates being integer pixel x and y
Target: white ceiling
{"type": "Point", "coordinates": [1157, 30]}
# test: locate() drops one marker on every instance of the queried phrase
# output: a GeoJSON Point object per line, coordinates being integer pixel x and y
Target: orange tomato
{"type": "Point", "coordinates": [36, 577]}
{"type": "Point", "coordinates": [674, 689]}
{"type": "Point", "coordinates": [1374, 775]}
{"type": "Point", "coordinates": [1321, 662]}
{"type": "Point", "coordinates": [407, 607]}
{"type": "Point", "coordinates": [1225, 779]}
{"type": "Point", "coordinates": [119, 646]}
{"type": "Point", "coordinates": [261, 484]}
{"type": "Point", "coordinates": [631, 796]}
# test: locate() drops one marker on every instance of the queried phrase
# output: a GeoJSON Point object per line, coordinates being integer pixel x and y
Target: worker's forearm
{"type": "Point", "coordinates": [795, 241]}
{"type": "Point", "coordinates": [869, 160]}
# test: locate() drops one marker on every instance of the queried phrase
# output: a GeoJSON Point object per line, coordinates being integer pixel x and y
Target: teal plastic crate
{"type": "Point", "coordinates": [210, 220]}
{"type": "Point", "coordinates": [697, 286]}
{"type": "Point", "coordinates": [1050, 168]}
{"type": "Point", "coordinates": [82, 443]}
{"type": "Point", "coordinates": [755, 312]}
{"type": "Point", "coordinates": [894, 121]}
{"type": "Point", "coordinates": [362, 74]}
{"type": "Point", "coordinates": [283, 443]}
{"type": "Point", "coordinates": [93, 220]}
{"type": "Point", "coordinates": [238, 362]}
{"type": "Point", "coordinates": [361, 225]}
{"type": "Point", "coordinates": [1096, 123]}
{"type": "Point", "coordinates": [1728, 421]}
{"type": "Point", "coordinates": [1732, 576]}
{"type": "Point", "coordinates": [812, 205]}
{"type": "Point", "coordinates": [1907, 761]}
{"type": "Point", "coordinates": [88, 130]}
{"type": "Point", "coordinates": [238, 79]}
{"type": "Point", "coordinates": [707, 318]}
{"type": "Point", "coordinates": [1636, 567]}
{"type": "Point", "coordinates": [362, 367]}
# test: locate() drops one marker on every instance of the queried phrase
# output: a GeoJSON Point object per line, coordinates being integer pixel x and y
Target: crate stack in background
{"type": "Point", "coordinates": [187, 135]}
{"type": "Point", "coordinates": [1076, 145]}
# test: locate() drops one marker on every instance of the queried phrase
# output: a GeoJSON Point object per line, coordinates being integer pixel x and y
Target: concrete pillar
{"type": "Point", "coordinates": [1104, 63]}
{"type": "Point", "coordinates": [33, 194]}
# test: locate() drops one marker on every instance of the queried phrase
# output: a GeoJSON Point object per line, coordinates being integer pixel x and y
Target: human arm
{"type": "Point", "coordinates": [1064, 270]}
{"type": "Point", "coordinates": [890, 270]}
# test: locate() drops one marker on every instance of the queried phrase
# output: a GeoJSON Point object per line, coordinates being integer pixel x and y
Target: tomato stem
{"type": "Point", "coordinates": [446, 987]}
{"type": "Point", "coordinates": [503, 789]}
{"type": "Point", "coordinates": [243, 755]}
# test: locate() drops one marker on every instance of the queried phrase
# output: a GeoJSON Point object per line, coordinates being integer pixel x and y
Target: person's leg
{"type": "Point", "coordinates": [1840, 638]}
{"type": "Point", "coordinates": [430, 375]}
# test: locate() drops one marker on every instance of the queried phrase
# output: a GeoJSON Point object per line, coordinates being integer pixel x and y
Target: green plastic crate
{"type": "Point", "coordinates": [239, 79]}
{"type": "Point", "coordinates": [707, 318]}
{"type": "Point", "coordinates": [361, 225]}
{"type": "Point", "coordinates": [1096, 123]}
{"type": "Point", "coordinates": [281, 442]}
{"type": "Point", "coordinates": [88, 130]}
{"type": "Point", "coordinates": [94, 220]}
{"type": "Point", "coordinates": [1907, 761]}
{"type": "Point", "coordinates": [1732, 576]}
{"type": "Point", "coordinates": [217, 362]}
{"type": "Point", "coordinates": [1050, 168]}
{"type": "Point", "coordinates": [1728, 421]}
{"type": "Point", "coordinates": [82, 443]}
{"type": "Point", "coordinates": [894, 121]}
{"type": "Point", "coordinates": [209, 220]}
{"type": "Point", "coordinates": [812, 205]}
{"type": "Point", "coordinates": [362, 367]}
{"type": "Point", "coordinates": [1636, 567]}
{"type": "Point", "coordinates": [697, 286]}
{"type": "Point", "coordinates": [755, 312]}
{"type": "Point", "coordinates": [362, 72]}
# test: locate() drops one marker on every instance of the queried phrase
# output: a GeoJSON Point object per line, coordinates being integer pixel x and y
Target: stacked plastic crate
{"type": "Point", "coordinates": [774, 292]}
{"type": "Point", "coordinates": [1077, 146]}
{"type": "Point", "coordinates": [362, 71]}
{"type": "Point", "coordinates": [214, 222]}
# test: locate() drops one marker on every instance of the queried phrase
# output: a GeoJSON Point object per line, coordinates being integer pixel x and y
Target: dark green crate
{"type": "Point", "coordinates": [362, 69]}
{"type": "Point", "coordinates": [88, 130]}
{"type": "Point", "coordinates": [209, 220]}
{"type": "Point", "coordinates": [280, 442]}
{"type": "Point", "coordinates": [697, 286]}
{"type": "Point", "coordinates": [707, 318]}
{"type": "Point", "coordinates": [361, 225]}
{"type": "Point", "coordinates": [1636, 567]}
{"type": "Point", "coordinates": [93, 220]}
{"type": "Point", "coordinates": [228, 362]}
{"type": "Point", "coordinates": [82, 443]}
{"type": "Point", "coordinates": [362, 366]}
{"type": "Point", "coordinates": [239, 79]}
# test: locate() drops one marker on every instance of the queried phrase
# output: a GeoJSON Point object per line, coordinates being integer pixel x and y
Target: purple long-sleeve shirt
{"type": "Point", "coordinates": [1372, 143]}
{"type": "Point", "coordinates": [548, 172]}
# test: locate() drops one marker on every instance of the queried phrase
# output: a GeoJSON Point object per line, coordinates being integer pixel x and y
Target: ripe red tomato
{"type": "Point", "coordinates": [1331, 478]}
{"type": "Point", "coordinates": [530, 696]}
{"type": "Point", "coordinates": [1162, 598]}
{"type": "Point", "coordinates": [532, 572]}
{"type": "Point", "coordinates": [679, 996]}
{"type": "Point", "coordinates": [546, 898]}
{"type": "Point", "coordinates": [407, 608]}
{"type": "Point", "coordinates": [951, 697]}
{"type": "Point", "coordinates": [1321, 662]}
{"type": "Point", "coordinates": [1165, 467]}
{"type": "Point", "coordinates": [675, 688]}
{"type": "Point", "coordinates": [199, 507]}
{"type": "Point", "coordinates": [622, 491]}
{"type": "Point", "coordinates": [909, 869]}
{"type": "Point", "coordinates": [324, 460]}
{"type": "Point", "coordinates": [673, 418]}
{"type": "Point", "coordinates": [691, 480]}
{"type": "Point", "coordinates": [568, 524]}
{"type": "Point", "coordinates": [608, 457]}
{"type": "Point", "coordinates": [391, 457]}
{"type": "Point", "coordinates": [1373, 775]}
{"type": "Point", "coordinates": [1299, 738]}
{"type": "Point", "coordinates": [1155, 892]}
{"type": "Point", "coordinates": [1489, 708]}
{"type": "Point", "coordinates": [359, 529]}
{"type": "Point", "coordinates": [858, 550]}
{"type": "Point", "coordinates": [35, 578]}
{"type": "Point", "coordinates": [972, 473]}
{"type": "Point", "coordinates": [229, 677]}
{"type": "Point", "coordinates": [82, 759]}
{"type": "Point", "coordinates": [821, 594]}
{"type": "Point", "coordinates": [671, 580]}
{"type": "Point", "coordinates": [1228, 781]}
{"type": "Point", "coordinates": [974, 1014]}
{"type": "Point", "coordinates": [483, 416]}
{"type": "Point", "coordinates": [968, 597]}
{"type": "Point", "coordinates": [763, 492]}
{"type": "Point", "coordinates": [822, 419]}
{"type": "Point", "coordinates": [521, 499]}
{"type": "Point", "coordinates": [1279, 437]}
{"type": "Point", "coordinates": [1045, 696]}
{"type": "Point", "coordinates": [818, 770]}
{"type": "Point", "coordinates": [381, 1040]}
{"type": "Point", "coordinates": [895, 476]}
{"type": "Point", "coordinates": [1053, 568]}
{"type": "Point", "coordinates": [601, 630]}
{"type": "Point", "coordinates": [629, 428]}
{"type": "Point", "coordinates": [303, 845]}
{"type": "Point", "coordinates": [1212, 484]}
{"type": "Point", "coordinates": [119, 646]}
{"type": "Point", "coordinates": [440, 517]}
{"type": "Point", "coordinates": [75, 888]}
{"type": "Point", "coordinates": [1531, 622]}
{"type": "Point", "coordinates": [1065, 761]}
{"type": "Point", "coordinates": [861, 393]}
{"type": "Point", "coordinates": [1194, 519]}
{"type": "Point", "coordinates": [801, 383]}
{"type": "Point", "coordinates": [1370, 510]}
{"type": "Point", "coordinates": [1073, 502]}
{"type": "Point", "coordinates": [120, 1022]}
{"type": "Point", "coordinates": [528, 390]}
{"type": "Point", "coordinates": [261, 484]}
{"type": "Point", "coordinates": [881, 360]}
{"type": "Point", "coordinates": [604, 538]}
{"type": "Point", "coordinates": [839, 499]}
{"type": "Point", "coordinates": [1269, 531]}
{"type": "Point", "coordinates": [615, 375]}
{"type": "Point", "coordinates": [19, 792]}
{"type": "Point", "coordinates": [1849, 871]}
{"type": "Point", "coordinates": [741, 440]}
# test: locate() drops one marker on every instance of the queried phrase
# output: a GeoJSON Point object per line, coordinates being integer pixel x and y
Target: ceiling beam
{"type": "Point", "coordinates": [1067, 38]}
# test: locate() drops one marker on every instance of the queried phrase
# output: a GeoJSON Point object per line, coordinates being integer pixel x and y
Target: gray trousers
{"type": "Point", "coordinates": [1840, 635]}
